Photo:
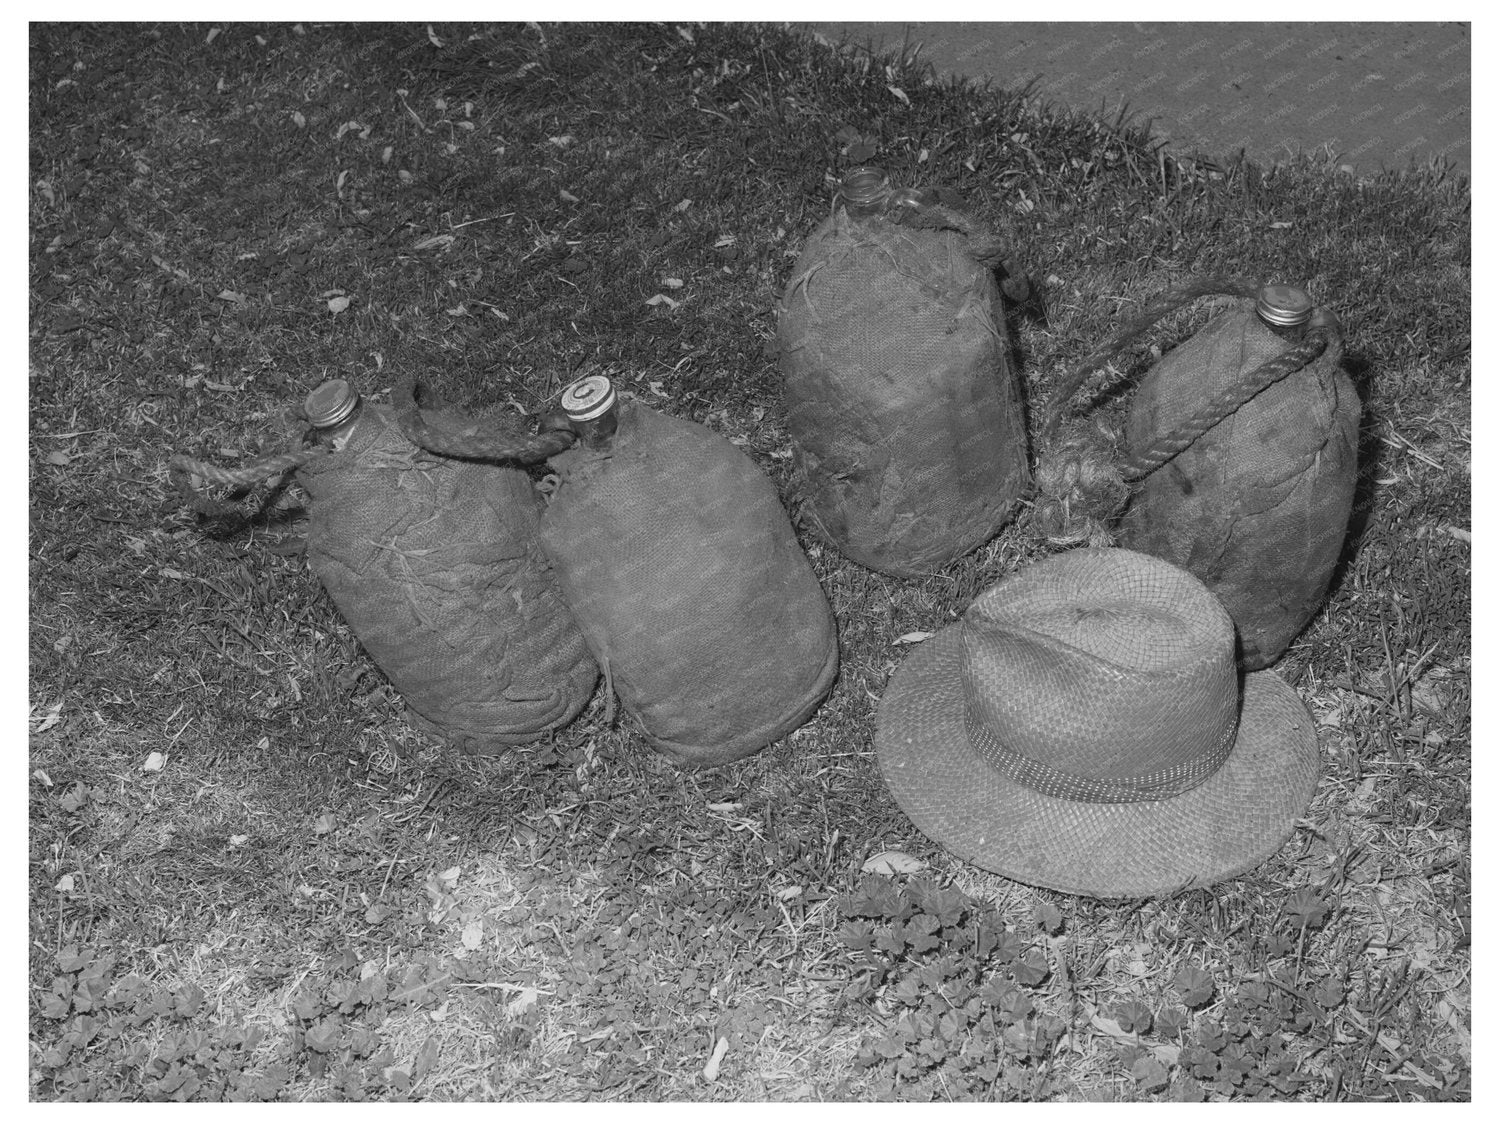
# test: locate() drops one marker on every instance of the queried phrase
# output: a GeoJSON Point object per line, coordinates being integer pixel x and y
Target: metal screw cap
{"type": "Point", "coordinates": [588, 398]}
{"type": "Point", "coordinates": [330, 404]}
{"type": "Point", "coordinates": [1283, 306]}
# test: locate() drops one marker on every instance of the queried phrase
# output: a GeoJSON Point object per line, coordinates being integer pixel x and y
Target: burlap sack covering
{"type": "Point", "coordinates": [437, 567]}
{"type": "Point", "coordinates": [681, 567]}
{"type": "Point", "coordinates": [907, 427]}
{"type": "Point", "coordinates": [1257, 505]}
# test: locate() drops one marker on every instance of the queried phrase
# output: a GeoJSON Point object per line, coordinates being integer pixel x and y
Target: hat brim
{"type": "Point", "coordinates": [1228, 824]}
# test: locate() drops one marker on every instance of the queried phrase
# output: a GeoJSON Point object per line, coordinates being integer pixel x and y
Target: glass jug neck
{"type": "Point", "coordinates": [333, 410]}
{"type": "Point", "coordinates": [864, 192]}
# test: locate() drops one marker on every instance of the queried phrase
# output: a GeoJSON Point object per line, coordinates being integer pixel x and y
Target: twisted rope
{"type": "Point", "coordinates": [498, 444]}
{"type": "Point", "coordinates": [1079, 492]}
{"type": "Point", "coordinates": [1169, 301]}
{"type": "Point", "coordinates": [1225, 403]}
{"type": "Point", "coordinates": [181, 470]}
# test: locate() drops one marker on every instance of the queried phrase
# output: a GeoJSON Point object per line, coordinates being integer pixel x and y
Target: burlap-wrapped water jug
{"type": "Point", "coordinates": [908, 434]}
{"type": "Point", "coordinates": [437, 567]}
{"type": "Point", "coordinates": [680, 565]}
{"type": "Point", "coordinates": [1244, 440]}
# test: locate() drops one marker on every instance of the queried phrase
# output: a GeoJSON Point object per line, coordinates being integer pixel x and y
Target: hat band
{"type": "Point", "coordinates": [1063, 785]}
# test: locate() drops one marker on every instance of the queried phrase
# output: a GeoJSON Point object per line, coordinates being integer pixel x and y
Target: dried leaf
{"type": "Point", "coordinates": [433, 39]}
{"type": "Point", "coordinates": [298, 119]}
{"type": "Point", "coordinates": [434, 242]}
{"type": "Point", "coordinates": [711, 1070]}
{"type": "Point", "coordinates": [338, 304]}
{"type": "Point", "coordinates": [54, 716]}
{"type": "Point", "coordinates": [238, 840]}
{"type": "Point", "coordinates": [893, 862]}
{"type": "Point", "coordinates": [64, 884]}
{"type": "Point", "coordinates": [59, 458]}
{"type": "Point", "coordinates": [154, 763]}
{"type": "Point", "coordinates": [213, 33]}
{"type": "Point", "coordinates": [567, 196]}
{"type": "Point", "coordinates": [662, 298]}
{"type": "Point", "coordinates": [473, 935]}
{"type": "Point", "coordinates": [523, 1002]}
{"type": "Point", "coordinates": [325, 823]}
{"type": "Point", "coordinates": [915, 637]}
{"type": "Point", "coordinates": [900, 93]}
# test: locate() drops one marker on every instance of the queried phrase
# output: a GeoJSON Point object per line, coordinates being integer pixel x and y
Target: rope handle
{"type": "Point", "coordinates": [1225, 403]}
{"type": "Point", "coordinates": [181, 470]}
{"type": "Point", "coordinates": [1168, 302]}
{"type": "Point", "coordinates": [937, 208]}
{"type": "Point", "coordinates": [496, 444]}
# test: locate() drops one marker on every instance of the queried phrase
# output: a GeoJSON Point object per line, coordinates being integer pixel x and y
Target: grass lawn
{"type": "Point", "coordinates": [251, 879]}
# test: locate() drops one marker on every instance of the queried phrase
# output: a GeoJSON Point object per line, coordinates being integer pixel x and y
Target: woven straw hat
{"type": "Point", "coordinates": [1083, 727]}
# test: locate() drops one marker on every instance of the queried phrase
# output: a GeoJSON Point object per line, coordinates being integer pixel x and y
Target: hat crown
{"type": "Point", "coordinates": [1101, 675]}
